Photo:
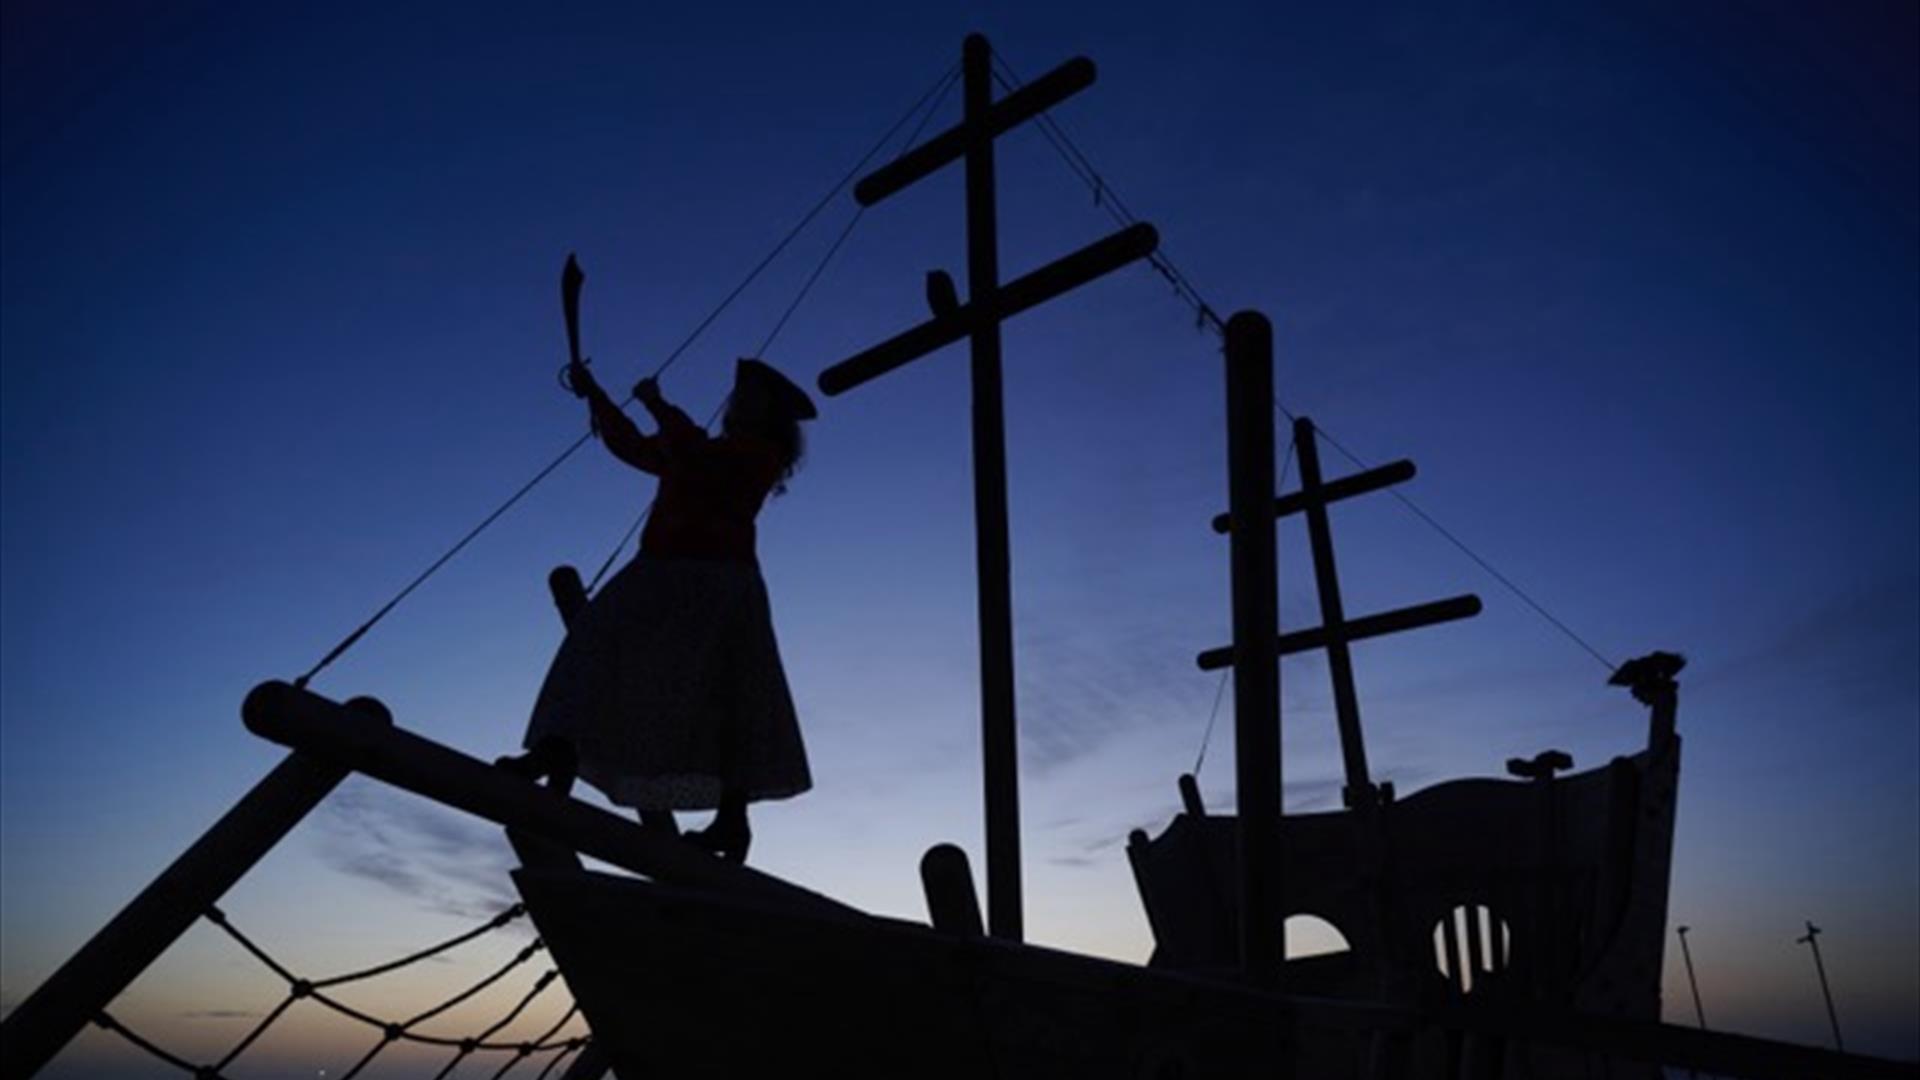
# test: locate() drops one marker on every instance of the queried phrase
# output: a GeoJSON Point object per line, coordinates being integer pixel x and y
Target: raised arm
{"type": "Point", "coordinates": [676, 428]}
{"type": "Point", "coordinates": [617, 430]}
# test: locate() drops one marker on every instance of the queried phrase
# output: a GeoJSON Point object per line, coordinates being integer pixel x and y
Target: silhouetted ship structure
{"type": "Point", "coordinates": [1497, 928]}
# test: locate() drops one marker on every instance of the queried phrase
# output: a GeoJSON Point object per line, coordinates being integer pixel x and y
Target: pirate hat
{"type": "Point", "coordinates": [780, 390]}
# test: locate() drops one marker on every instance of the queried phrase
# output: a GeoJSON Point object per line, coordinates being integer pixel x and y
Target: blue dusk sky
{"type": "Point", "coordinates": [1637, 285]}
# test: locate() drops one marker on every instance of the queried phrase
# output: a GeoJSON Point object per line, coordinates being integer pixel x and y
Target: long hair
{"type": "Point", "coordinates": [783, 431]}
{"type": "Point", "coordinates": [785, 434]}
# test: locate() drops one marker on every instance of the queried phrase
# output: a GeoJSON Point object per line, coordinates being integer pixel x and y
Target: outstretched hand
{"type": "Point", "coordinates": [580, 379]}
{"type": "Point", "coordinates": [647, 390]}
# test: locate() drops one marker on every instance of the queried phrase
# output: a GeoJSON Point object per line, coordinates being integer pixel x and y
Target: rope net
{"type": "Point", "coordinates": [485, 1051]}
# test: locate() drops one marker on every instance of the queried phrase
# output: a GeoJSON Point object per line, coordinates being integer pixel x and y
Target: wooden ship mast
{"type": "Point", "coordinates": [1559, 975]}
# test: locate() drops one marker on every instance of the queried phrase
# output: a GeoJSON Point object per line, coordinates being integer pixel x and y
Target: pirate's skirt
{"type": "Point", "coordinates": [669, 687]}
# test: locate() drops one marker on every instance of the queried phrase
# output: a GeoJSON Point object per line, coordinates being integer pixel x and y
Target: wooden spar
{"type": "Point", "coordinates": [1393, 472]}
{"type": "Point", "coordinates": [999, 728]}
{"type": "Point", "coordinates": [1030, 290]}
{"type": "Point", "coordinates": [989, 302]}
{"type": "Point", "coordinates": [1333, 617]}
{"type": "Point", "coordinates": [308, 722]}
{"type": "Point", "coordinates": [1387, 622]}
{"type": "Point", "coordinates": [1256, 666]}
{"type": "Point", "coordinates": [184, 891]}
{"type": "Point", "coordinates": [984, 122]}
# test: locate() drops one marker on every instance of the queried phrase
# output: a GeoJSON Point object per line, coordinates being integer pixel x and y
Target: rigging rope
{"type": "Point", "coordinates": [852, 174]}
{"type": "Point", "coordinates": [940, 85]}
{"type": "Point", "coordinates": [1205, 318]}
{"type": "Point", "coordinates": [1221, 691]}
{"type": "Point", "coordinates": [1219, 694]}
{"type": "Point", "coordinates": [944, 89]}
{"type": "Point", "coordinates": [1469, 552]}
{"type": "Point", "coordinates": [391, 1032]}
{"type": "Point", "coordinates": [1105, 197]}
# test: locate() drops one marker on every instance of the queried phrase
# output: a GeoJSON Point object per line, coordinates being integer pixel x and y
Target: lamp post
{"type": "Point", "coordinates": [1812, 940]}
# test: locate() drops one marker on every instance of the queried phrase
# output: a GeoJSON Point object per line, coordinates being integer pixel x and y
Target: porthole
{"type": "Point", "coordinates": [1470, 946]}
{"type": "Point", "coordinates": [1311, 935]}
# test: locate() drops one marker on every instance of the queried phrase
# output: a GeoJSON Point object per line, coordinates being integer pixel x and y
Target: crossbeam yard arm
{"type": "Point", "coordinates": [282, 713]}
{"type": "Point", "coordinates": [1060, 276]}
{"type": "Point", "coordinates": [1333, 491]}
{"type": "Point", "coordinates": [950, 145]}
{"type": "Point", "coordinates": [1387, 622]}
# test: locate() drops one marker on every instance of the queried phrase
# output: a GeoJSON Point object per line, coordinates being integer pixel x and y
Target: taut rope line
{"type": "Point", "coordinates": [1220, 692]}
{"type": "Point", "coordinates": [944, 81]}
{"type": "Point", "coordinates": [1205, 318]}
{"type": "Point", "coordinates": [820, 268]}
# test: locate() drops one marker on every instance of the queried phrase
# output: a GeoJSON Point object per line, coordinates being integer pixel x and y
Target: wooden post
{"type": "Point", "coordinates": [306, 721]}
{"type": "Point", "coordinates": [1190, 796]}
{"type": "Point", "coordinates": [999, 727]}
{"type": "Point", "coordinates": [569, 594]}
{"type": "Point", "coordinates": [114, 957]}
{"type": "Point", "coordinates": [1256, 663]}
{"type": "Point", "coordinates": [988, 303]}
{"type": "Point", "coordinates": [1346, 703]}
{"type": "Point", "coordinates": [947, 878]}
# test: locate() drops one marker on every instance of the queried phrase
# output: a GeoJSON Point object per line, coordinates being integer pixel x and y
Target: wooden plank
{"type": "Point", "coordinates": [1387, 622]}
{"type": "Point", "coordinates": [306, 721]}
{"type": "Point", "coordinates": [1063, 275]}
{"type": "Point", "coordinates": [1476, 947]}
{"type": "Point", "coordinates": [665, 977]}
{"type": "Point", "coordinates": [1450, 939]}
{"type": "Point", "coordinates": [1360, 483]}
{"type": "Point", "coordinates": [947, 147]}
{"type": "Point", "coordinates": [902, 999]}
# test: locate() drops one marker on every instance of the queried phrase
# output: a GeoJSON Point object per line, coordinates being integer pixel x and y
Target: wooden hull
{"type": "Point", "coordinates": [690, 984]}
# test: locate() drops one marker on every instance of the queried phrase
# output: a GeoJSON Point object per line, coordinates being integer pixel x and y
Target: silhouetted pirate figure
{"type": "Point", "coordinates": [668, 693]}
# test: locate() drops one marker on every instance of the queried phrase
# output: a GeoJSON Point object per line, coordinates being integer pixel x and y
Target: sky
{"type": "Point", "coordinates": [1638, 290]}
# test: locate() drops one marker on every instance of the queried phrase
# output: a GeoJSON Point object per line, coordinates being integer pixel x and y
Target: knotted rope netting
{"type": "Point", "coordinates": [548, 1051]}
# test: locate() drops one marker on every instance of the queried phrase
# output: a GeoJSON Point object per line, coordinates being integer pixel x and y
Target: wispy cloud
{"type": "Point", "coordinates": [1096, 837]}
{"type": "Point", "coordinates": [1858, 643]}
{"type": "Point", "coordinates": [1080, 690]}
{"type": "Point", "coordinates": [444, 860]}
